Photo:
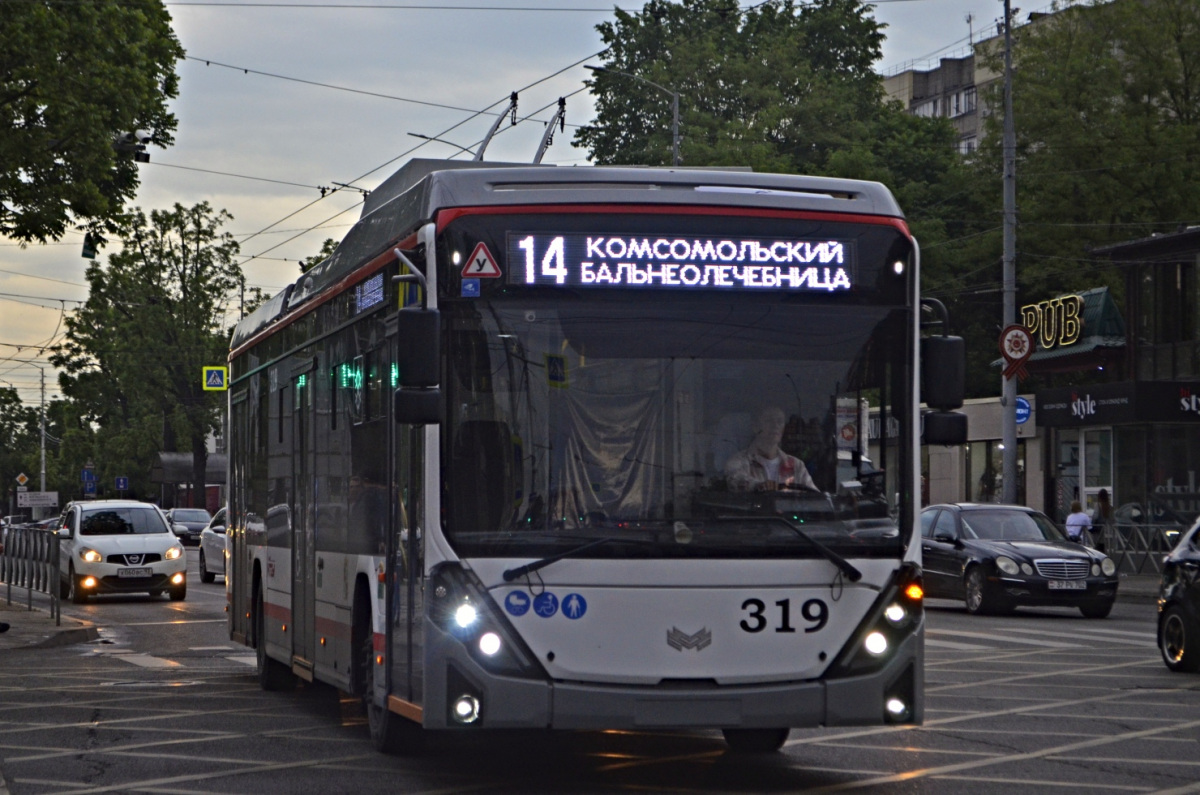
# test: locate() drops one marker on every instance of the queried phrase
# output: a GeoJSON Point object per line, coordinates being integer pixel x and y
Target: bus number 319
{"type": "Point", "coordinates": [814, 611]}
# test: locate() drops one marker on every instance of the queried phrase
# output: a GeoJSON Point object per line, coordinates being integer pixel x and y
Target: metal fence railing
{"type": "Point", "coordinates": [1139, 548]}
{"type": "Point", "coordinates": [29, 560]}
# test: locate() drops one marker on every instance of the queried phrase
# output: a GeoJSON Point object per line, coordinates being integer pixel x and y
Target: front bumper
{"type": "Point", "coordinates": [1036, 591]}
{"type": "Point", "coordinates": [108, 579]}
{"type": "Point", "coordinates": [511, 702]}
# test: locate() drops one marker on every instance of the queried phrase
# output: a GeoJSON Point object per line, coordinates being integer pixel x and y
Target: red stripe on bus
{"type": "Point", "coordinates": [353, 278]}
{"type": "Point", "coordinates": [447, 217]}
{"type": "Point", "coordinates": [272, 610]}
{"type": "Point", "coordinates": [332, 628]}
{"type": "Point", "coordinates": [379, 642]}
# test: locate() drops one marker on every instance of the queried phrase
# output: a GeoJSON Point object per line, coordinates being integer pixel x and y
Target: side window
{"type": "Point", "coordinates": [945, 525]}
{"type": "Point", "coordinates": [927, 523]}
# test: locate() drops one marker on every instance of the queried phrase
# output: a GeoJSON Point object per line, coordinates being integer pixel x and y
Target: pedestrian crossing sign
{"type": "Point", "coordinates": [216, 379]}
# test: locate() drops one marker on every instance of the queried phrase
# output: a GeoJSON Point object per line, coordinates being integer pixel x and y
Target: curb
{"type": "Point", "coordinates": [66, 637]}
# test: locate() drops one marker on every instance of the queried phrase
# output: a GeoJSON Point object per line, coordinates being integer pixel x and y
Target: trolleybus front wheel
{"type": "Point", "coordinates": [272, 674]}
{"type": "Point", "coordinates": [390, 733]}
{"type": "Point", "coordinates": [755, 741]}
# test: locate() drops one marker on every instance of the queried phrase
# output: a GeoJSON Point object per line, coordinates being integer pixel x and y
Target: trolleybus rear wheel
{"type": "Point", "coordinates": [755, 741]}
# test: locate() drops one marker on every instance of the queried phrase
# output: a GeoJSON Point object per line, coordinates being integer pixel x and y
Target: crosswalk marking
{"type": "Point", "coordinates": [146, 661]}
{"type": "Point", "coordinates": [949, 644]}
{"type": "Point", "coordinates": [1079, 635]}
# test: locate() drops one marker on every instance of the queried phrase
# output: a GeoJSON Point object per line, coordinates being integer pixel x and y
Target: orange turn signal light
{"type": "Point", "coordinates": [914, 592]}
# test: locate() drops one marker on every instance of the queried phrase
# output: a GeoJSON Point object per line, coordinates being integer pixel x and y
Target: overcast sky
{"type": "Point", "coordinates": [278, 101]}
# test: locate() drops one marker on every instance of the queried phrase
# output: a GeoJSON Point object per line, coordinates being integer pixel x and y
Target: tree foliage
{"type": "Point", "coordinates": [134, 352]}
{"type": "Point", "coordinates": [327, 249]}
{"type": "Point", "coordinates": [1106, 107]}
{"type": "Point", "coordinates": [777, 87]}
{"type": "Point", "coordinates": [73, 77]}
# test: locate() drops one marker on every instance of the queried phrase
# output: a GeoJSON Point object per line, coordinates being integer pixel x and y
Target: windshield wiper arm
{"type": "Point", "coordinates": [847, 568]}
{"type": "Point", "coordinates": [520, 571]}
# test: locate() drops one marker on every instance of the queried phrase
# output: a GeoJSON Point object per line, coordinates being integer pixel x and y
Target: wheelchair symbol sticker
{"type": "Point", "coordinates": [516, 603]}
{"type": "Point", "coordinates": [545, 604]}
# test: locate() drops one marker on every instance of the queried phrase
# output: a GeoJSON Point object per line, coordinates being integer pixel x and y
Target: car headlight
{"type": "Point", "coordinates": [1007, 565]}
{"type": "Point", "coordinates": [1108, 567]}
{"type": "Point", "coordinates": [174, 553]}
{"type": "Point", "coordinates": [90, 555]}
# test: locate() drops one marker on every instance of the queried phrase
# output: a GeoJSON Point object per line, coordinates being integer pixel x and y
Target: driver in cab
{"type": "Point", "coordinates": [763, 466]}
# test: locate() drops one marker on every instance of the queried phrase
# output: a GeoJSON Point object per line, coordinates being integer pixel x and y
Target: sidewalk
{"type": "Point", "coordinates": [35, 629]}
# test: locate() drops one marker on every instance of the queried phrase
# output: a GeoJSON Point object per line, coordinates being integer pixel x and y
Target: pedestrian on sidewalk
{"type": "Point", "coordinates": [1079, 524]}
{"type": "Point", "coordinates": [1101, 518]}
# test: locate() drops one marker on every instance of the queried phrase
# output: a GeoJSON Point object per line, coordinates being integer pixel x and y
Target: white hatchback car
{"type": "Point", "coordinates": [212, 548]}
{"type": "Point", "coordinates": [118, 546]}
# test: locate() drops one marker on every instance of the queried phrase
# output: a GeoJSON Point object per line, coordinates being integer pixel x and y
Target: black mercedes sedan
{"type": "Point", "coordinates": [188, 523]}
{"type": "Point", "coordinates": [1179, 604]}
{"type": "Point", "coordinates": [998, 557]}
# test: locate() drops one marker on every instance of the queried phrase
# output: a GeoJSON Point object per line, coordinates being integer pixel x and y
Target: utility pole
{"type": "Point", "coordinates": [43, 424]}
{"type": "Point", "coordinates": [1008, 400]}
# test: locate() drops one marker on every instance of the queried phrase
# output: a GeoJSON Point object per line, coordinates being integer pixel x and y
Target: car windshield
{"type": "Point", "coordinates": [121, 521]}
{"type": "Point", "coordinates": [190, 515]}
{"type": "Point", "coordinates": [1002, 525]}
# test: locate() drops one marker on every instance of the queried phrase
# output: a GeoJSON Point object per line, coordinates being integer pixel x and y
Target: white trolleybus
{"type": "Point", "coordinates": [583, 448]}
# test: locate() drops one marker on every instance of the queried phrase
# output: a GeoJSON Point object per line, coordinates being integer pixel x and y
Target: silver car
{"type": "Point", "coordinates": [212, 548]}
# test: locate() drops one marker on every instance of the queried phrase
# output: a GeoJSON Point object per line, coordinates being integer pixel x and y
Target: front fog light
{"type": "Point", "coordinates": [466, 709]}
{"type": "Point", "coordinates": [177, 578]}
{"type": "Point", "coordinates": [1027, 570]}
{"type": "Point", "coordinates": [465, 615]}
{"type": "Point", "coordinates": [876, 643]}
{"type": "Point", "coordinates": [489, 643]}
{"type": "Point", "coordinates": [897, 709]}
{"type": "Point", "coordinates": [895, 613]}
{"type": "Point", "coordinates": [88, 582]}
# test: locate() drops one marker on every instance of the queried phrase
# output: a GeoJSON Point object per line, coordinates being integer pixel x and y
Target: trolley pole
{"type": "Point", "coordinates": [1008, 398]}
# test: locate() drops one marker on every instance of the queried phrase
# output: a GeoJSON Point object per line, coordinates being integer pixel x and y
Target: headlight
{"type": "Point", "coordinates": [1007, 565]}
{"type": "Point", "coordinates": [174, 553]}
{"type": "Point", "coordinates": [464, 609]}
{"type": "Point", "coordinates": [1108, 567]}
{"type": "Point", "coordinates": [90, 555]}
{"type": "Point", "coordinates": [1027, 570]}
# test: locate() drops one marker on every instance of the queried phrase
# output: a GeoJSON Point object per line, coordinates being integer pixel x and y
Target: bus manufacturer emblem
{"type": "Point", "coordinates": [680, 640]}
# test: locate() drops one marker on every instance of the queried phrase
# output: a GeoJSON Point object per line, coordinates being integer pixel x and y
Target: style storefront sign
{"type": "Point", "coordinates": [1113, 404]}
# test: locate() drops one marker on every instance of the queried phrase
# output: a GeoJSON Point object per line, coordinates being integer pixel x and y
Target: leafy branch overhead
{"type": "Point", "coordinates": [74, 77]}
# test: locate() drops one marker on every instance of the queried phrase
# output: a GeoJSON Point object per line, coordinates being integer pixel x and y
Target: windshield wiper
{"type": "Point", "coordinates": [846, 567]}
{"type": "Point", "coordinates": [520, 571]}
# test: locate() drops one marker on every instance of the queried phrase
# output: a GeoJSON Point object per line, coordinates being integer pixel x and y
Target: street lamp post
{"type": "Point", "coordinates": [674, 105]}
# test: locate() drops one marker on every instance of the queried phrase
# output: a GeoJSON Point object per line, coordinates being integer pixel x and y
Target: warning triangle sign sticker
{"type": "Point", "coordinates": [481, 264]}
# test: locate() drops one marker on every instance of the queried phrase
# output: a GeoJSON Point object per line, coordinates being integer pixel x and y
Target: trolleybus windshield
{"type": "Point", "coordinates": [653, 425]}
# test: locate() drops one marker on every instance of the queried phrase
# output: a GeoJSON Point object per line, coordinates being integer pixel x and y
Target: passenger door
{"type": "Point", "coordinates": [303, 544]}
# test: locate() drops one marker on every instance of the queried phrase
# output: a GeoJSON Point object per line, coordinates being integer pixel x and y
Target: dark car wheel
{"type": "Point", "coordinates": [977, 603]}
{"type": "Point", "coordinates": [205, 574]}
{"type": "Point", "coordinates": [1178, 641]}
{"type": "Point", "coordinates": [1097, 610]}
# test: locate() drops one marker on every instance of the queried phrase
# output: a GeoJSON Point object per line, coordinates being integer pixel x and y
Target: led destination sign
{"type": "Point", "coordinates": [681, 263]}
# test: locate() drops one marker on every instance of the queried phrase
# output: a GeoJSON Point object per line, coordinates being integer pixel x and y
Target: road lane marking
{"type": "Point", "coordinates": [1081, 636]}
{"type": "Point", "coordinates": [947, 644]}
{"type": "Point", "coordinates": [146, 661]}
{"type": "Point", "coordinates": [1002, 638]}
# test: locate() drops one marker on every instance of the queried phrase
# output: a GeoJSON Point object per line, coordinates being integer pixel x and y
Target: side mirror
{"type": "Point", "coordinates": [63, 532]}
{"type": "Point", "coordinates": [944, 427]}
{"type": "Point", "coordinates": [943, 372]}
{"type": "Point", "coordinates": [418, 347]}
{"type": "Point", "coordinates": [945, 538]}
{"type": "Point", "coordinates": [417, 406]}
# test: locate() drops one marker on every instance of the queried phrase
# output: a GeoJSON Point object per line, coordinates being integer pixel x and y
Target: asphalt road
{"type": "Point", "coordinates": [162, 701]}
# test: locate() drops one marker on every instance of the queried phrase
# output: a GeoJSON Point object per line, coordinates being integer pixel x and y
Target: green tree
{"type": "Point", "coordinates": [327, 249]}
{"type": "Point", "coordinates": [18, 442]}
{"type": "Point", "coordinates": [73, 77]}
{"type": "Point", "coordinates": [1107, 112]}
{"type": "Point", "coordinates": [777, 87]}
{"type": "Point", "coordinates": [134, 352]}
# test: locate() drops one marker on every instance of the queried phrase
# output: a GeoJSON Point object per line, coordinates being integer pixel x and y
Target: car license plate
{"type": "Point", "coordinates": [1067, 585]}
{"type": "Point", "coordinates": [145, 571]}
